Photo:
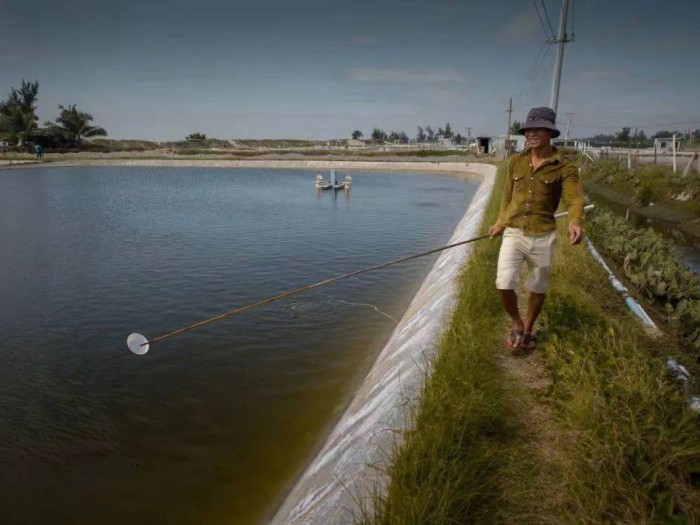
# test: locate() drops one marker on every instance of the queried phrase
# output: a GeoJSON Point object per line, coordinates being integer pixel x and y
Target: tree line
{"type": "Point", "coordinates": [19, 124]}
{"type": "Point", "coordinates": [627, 137]}
{"type": "Point", "coordinates": [424, 133]}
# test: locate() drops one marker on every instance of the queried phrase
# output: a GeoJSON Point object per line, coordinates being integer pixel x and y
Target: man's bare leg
{"type": "Point", "coordinates": [509, 300]}
{"type": "Point", "coordinates": [534, 307]}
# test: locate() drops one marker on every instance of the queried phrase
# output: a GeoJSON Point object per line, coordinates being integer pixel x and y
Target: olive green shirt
{"type": "Point", "coordinates": [531, 197]}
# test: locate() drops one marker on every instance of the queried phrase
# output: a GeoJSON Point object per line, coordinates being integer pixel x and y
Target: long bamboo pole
{"type": "Point", "coordinates": [316, 285]}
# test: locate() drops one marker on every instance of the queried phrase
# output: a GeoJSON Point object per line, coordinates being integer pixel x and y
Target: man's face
{"type": "Point", "coordinates": [537, 137]}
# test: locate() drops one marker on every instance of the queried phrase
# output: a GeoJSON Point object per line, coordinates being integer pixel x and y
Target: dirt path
{"type": "Point", "coordinates": [539, 458]}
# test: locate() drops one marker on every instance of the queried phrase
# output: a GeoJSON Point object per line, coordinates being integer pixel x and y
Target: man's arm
{"type": "Point", "coordinates": [499, 226]}
{"type": "Point", "coordinates": [572, 190]}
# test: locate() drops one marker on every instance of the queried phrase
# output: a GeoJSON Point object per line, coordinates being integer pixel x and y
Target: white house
{"type": "Point", "coordinates": [665, 144]}
{"type": "Point", "coordinates": [516, 143]}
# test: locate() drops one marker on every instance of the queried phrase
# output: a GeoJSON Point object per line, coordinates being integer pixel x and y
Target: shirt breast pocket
{"type": "Point", "coordinates": [518, 181]}
{"type": "Point", "coordinates": [545, 185]}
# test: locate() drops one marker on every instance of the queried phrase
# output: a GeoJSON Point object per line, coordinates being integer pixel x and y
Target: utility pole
{"type": "Point", "coordinates": [510, 114]}
{"type": "Point", "coordinates": [562, 39]}
{"type": "Point", "coordinates": [674, 152]}
{"type": "Point", "coordinates": [568, 127]}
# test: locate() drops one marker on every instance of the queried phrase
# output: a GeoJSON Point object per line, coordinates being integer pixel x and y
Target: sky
{"type": "Point", "coordinates": [161, 69]}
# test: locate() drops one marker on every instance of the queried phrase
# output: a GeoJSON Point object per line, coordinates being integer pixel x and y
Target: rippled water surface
{"type": "Point", "coordinates": [214, 425]}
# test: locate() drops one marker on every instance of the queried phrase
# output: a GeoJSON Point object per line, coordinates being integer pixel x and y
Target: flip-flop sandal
{"type": "Point", "coordinates": [528, 341]}
{"type": "Point", "coordinates": [514, 339]}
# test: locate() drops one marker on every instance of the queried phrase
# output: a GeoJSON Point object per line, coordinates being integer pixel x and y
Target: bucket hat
{"type": "Point", "coordinates": [542, 117]}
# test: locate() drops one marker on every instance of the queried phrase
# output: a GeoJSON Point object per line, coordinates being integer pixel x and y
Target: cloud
{"type": "Point", "coordinates": [521, 27]}
{"type": "Point", "coordinates": [405, 75]}
{"type": "Point", "coordinates": [365, 40]}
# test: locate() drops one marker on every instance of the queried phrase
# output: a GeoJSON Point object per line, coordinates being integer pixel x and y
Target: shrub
{"type": "Point", "coordinates": [609, 170]}
{"type": "Point", "coordinates": [644, 193]}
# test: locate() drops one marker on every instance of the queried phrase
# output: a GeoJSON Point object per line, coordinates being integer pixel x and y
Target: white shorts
{"type": "Point", "coordinates": [537, 250]}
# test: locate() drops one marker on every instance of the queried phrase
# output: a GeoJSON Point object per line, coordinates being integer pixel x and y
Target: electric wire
{"type": "Point", "coordinates": [547, 73]}
{"type": "Point", "coordinates": [539, 16]}
{"type": "Point", "coordinates": [536, 78]}
{"type": "Point", "coordinates": [549, 23]}
{"type": "Point", "coordinates": [535, 66]}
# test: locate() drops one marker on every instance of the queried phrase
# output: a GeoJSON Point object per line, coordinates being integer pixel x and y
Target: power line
{"type": "Point", "coordinates": [549, 23]}
{"type": "Point", "coordinates": [536, 65]}
{"type": "Point", "coordinates": [546, 75]}
{"type": "Point", "coordinates": [537, 10]}
{"type": "Point", "coordinates": [540, 73]}
{"type": "Point", "coordinates": [532, 79]}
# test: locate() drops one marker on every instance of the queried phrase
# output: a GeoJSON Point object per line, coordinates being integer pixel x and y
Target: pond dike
{"type": "Point", "coordinates": [352, 464]}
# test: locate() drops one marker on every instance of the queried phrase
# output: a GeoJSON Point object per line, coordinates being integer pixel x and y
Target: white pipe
{"type": "Point", "coordinates": [681, 373]}
{"type": "Point", "coordinates": [620, 288]}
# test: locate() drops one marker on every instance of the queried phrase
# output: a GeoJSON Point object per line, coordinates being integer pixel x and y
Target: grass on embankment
{"type": "Point", "coordinates": [656, 190]}
{"type": "Point", "coordinates": [602, 436]}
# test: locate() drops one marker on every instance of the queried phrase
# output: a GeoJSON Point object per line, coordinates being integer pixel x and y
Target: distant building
{"type": "Point", "coordinates": [354, 143]}
{"type": "Point", "coordinates": [501, 145]}
{"type": "Point", "coordinates": [665, 145]}
{"type": "Point", "coordinates": [484, 145]}
{"type": "Point", "coordinates": [517, 142]}
{"type": "Point", "coordinates": [442, 141]}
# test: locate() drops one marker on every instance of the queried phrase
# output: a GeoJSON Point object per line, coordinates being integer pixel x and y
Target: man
{"type": "Point", "coordinates": [536, 180]}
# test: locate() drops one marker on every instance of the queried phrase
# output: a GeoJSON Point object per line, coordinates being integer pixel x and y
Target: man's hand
{"type": "Point", "coordinates": [495, 231]}
{"type": "Point", "coordinates": [575, 234]}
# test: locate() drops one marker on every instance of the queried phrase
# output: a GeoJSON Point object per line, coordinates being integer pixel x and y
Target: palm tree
{"type": "Point", "coordinates": [16, 125]}
{"type": "Point", "coordinates": [17, 117]}
{"type": "Point", "coordinates": [75, 125]}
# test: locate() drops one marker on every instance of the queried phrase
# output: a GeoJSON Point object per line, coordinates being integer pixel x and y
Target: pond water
{"type": "Point", "coordinates": [214, 425]}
